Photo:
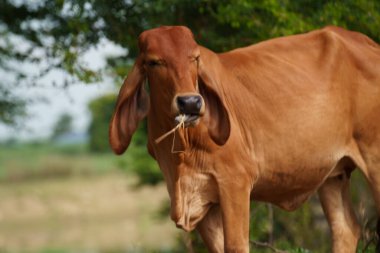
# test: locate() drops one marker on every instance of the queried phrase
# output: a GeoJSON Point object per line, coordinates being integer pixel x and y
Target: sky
{"type": "Point", "coordinates": [73, 100]}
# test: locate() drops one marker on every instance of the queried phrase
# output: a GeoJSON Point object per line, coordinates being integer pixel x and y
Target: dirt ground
{"type": "Point", "coordinates": [93, 214]}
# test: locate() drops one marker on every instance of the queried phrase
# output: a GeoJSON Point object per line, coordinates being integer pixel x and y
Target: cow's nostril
{"type": "Point", "coordinates": [181, 102]}
{"type": "Point", "coordinates": [189, 104]}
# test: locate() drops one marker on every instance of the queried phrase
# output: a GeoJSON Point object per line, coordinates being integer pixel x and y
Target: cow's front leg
{"type": "Point", "coordinates": [211, 230]}
{"type": "Point", "coordinates": [234, 202]}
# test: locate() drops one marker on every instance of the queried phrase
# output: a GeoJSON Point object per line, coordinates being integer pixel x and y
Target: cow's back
{"type": "Point", "coordinates": [318, 52]}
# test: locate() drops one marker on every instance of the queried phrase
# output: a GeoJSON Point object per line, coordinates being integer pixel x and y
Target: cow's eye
{"type": "Point", "coordinates": [153, 63]}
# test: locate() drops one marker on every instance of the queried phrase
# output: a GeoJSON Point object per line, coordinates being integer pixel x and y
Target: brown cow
{"type": "Point", "coordinates": [273, 122]}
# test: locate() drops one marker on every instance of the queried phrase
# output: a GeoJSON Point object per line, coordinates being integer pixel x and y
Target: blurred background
{"type": "Point", "coordinates": [61, 65]}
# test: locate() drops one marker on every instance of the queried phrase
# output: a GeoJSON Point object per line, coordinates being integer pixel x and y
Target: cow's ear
{"type": "Point", "coordinates": [131, 107]}
{"type": "Point", "coordinates": [216, 115]}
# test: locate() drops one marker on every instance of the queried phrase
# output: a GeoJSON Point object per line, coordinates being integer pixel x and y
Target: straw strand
{"type": "Point", "coordinates": [181, 123]}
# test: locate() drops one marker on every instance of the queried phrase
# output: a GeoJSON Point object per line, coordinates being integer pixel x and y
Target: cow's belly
{"type": "Point", "coordinates": [292, 167]}
{"type": "Point", "coordinates": [291, 189]}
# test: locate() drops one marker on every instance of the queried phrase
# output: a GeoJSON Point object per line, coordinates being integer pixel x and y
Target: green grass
{"type": "Point", "coordinates": [43, 160]}
{"type": "Point", "coordinates": [63, 199]}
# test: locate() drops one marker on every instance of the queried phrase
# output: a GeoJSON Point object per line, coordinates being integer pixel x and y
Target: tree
{"type": "Point", "coordinates": [11, 107]}
{"type": "Point", "coordinates": [101, 110]}
{"type": "Point", "coordinates": [63, 126]}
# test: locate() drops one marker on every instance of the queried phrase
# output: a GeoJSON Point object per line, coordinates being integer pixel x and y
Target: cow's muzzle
{"type": "Point", "coordinates": [189, 105]}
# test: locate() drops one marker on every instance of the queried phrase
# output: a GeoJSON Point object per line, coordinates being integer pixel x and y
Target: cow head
{"type": "Point", "coordinates": [182, 81]}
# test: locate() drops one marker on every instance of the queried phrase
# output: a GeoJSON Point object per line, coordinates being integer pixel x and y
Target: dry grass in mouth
{"type": "Point", "coordinates": [181, 119]}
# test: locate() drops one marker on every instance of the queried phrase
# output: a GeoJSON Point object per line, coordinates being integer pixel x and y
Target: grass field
{"type": "Point", "coordinates": [38, 161]}
{"type": "Point", "coordinates": [59, 199]}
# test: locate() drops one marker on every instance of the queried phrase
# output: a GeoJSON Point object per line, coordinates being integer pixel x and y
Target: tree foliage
{"type": "Point", "coordinates": [101, 110]}
{"type": "Point", "coordinates": [11, 107]}
{"type": "Point", "coordinates": [64, 125]}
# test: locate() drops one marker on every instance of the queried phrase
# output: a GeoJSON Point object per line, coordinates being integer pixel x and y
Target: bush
{"type": "Point", "coordinates": [142, 164]}
{"type": "Point", "coordinates": [101, 112]}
